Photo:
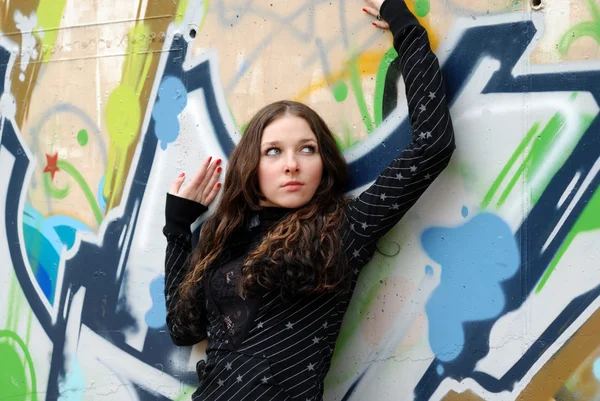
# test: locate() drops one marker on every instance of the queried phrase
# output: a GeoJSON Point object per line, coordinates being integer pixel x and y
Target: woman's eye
{"type": "Point", "coordinates": [272, 152]}
{"type": "Point", "coordinates": [309, 149]}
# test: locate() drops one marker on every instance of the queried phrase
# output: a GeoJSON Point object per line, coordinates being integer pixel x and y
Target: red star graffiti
{"type": "Point", "coordinates": [51, 165]}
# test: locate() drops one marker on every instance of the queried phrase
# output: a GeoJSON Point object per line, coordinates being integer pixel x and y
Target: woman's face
{"type": "Point", "coordinates": [290, 166]}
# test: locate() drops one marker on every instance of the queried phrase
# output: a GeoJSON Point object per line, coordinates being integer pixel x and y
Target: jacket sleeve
{"type": "Point", "coordinates": [399, 186]}
{"type": "Point", "coordinates": [180, 213]}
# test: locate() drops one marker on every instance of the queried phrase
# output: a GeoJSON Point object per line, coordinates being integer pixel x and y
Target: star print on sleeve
{"type": "Point", "coordinates": [407, 177]}
{"type": "Point", "coordinates": [289, 326]}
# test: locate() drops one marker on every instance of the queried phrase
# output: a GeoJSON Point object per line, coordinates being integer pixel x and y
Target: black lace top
{"type": "Point", "coordinates": [229, 311]}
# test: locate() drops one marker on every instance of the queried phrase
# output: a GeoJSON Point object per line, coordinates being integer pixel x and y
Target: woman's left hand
{"type": "Point", "coordinates": [373, 8]}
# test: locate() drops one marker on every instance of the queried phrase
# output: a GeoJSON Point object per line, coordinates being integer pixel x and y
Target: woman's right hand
{"type": "Point", "coordinates": [374, 8]}
{"type": "Point", "coordinates": [203, 187]}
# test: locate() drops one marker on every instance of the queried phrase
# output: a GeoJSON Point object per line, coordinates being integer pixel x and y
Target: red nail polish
{"type": "Point", "coordinates": [374, 24]}
{"type": "Point", "coordinates": [209, 159]}
{"type": "Point", "coordinates": [181, 175]}
{"type": "Point", "coordinates": [365, 10]}
{"type": "Point", "coordinates": [218, 185]}
{"type": "Point", "coordinates": [218, 162]}
{"type": "Point", "coordinates": [219, 169]}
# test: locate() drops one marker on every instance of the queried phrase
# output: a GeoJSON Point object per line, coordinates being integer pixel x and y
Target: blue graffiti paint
{"type": "Point", "coordinates": [100, 195]}
{"type": "Point", "coordinates": [157, 314]}
{"type": "Point", "coordinates": [464, 211]}
{"type": "Point", "coordinates": [44, 241]}
{"type": "Point", "coordinates": [429, 270]}
{"type": "Point", "coordinates": [172, 99]}
{"type": "Point", "coordinates": [474, 44]}
{"type": "Point", "coordinates": [475, 258]}
{"type": "Point", "coordinates": [72, 387]}
{"type": "Point", "coordinates": [440, 369]}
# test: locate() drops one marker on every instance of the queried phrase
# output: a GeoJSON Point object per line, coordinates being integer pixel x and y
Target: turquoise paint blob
{"type": "Point", "coordinates": [72, 387]}
{"type": "Point", "coordinates": [172, 99]}
{"type": "Point", "coordinates": [440, 370]}
{"type": "Point", "coordinates": [156, 316]}
{"type": "Point", "coordinates": [475, 258]}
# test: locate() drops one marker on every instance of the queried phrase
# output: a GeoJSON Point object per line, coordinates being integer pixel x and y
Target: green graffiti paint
{"type": "Point", "coordinates": [82, 137]}
{"type": "Point", "coordinates": [340, 91]}
{"type": "Point", "coordinates": [61, 193]}
{"type": "Point", "coordinates": [53, 190]}
{"type": "Point", "coordinates": [358, 93]}
{"type": "Point", "coordinates": [589, 29]}
{"type": "Point", "coordinates": [540, 144]}
{"type": "Point", "coordinates": [49, 14]}
{"type": "Point", "coordinates": [422, 8]}
{"type": "Point", "coordinates": [384, 65]}
{"type": "Point", "coordinates": [180, 13]}
{"type": "Point", "coordinates": [185, 395]}
{"type": "Point", "coordinates": [346, 140]}
{"type": "Point", "coordinates": [17, 376]}
{"type": "Point", "coordinates": [589, 220]}
{"type": "Point", "coordinates": [509, 165]}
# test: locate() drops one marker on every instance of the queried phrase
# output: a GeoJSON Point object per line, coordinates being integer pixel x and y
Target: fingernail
{"type": "Point", "coordinates": [181, 175]}
{"type": "Point", "coordinates": [219, 169]}
{"type": "Point", "coordinates": [218, 162]}
{"type": "Point", "coordinates": [218, 185]}
{"type": "Point", "coordinates": [365, 10]}
{"type": "Point", "coordinates": [209, 159]}
{"type": "Point", "coordinates": [374, 24]}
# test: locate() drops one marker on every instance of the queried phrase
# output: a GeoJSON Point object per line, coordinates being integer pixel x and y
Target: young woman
{"type": "Point", "coordinates": [272, 275]}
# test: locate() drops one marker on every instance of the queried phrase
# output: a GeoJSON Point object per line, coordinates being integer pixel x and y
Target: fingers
{"type": "Point", "coordinates": [201, 173]}
{"type": "Point", "coordinates": [210, 186]}
{"type": "Point", "coordinates": [176, 184]}
{"type": "Point", "coordinates": [381, 24]}
{"type": "Point", "coordinates": [213, 193]}
{"type": "Point", "coordinates": [203, 187]}
{"type": "Point", "coordinates": [371, 11]}
{"type": "Point", "coordinates": [209, 174]}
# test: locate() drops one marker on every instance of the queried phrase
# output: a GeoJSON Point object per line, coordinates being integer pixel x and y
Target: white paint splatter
{"type": "Point", "coordinates": [26, 25]}
{"type": "Point", "coordinates": [8, 106]}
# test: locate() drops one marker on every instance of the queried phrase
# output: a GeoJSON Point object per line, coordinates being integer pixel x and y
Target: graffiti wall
{"type": "Point", "coordinates": [489, 289]}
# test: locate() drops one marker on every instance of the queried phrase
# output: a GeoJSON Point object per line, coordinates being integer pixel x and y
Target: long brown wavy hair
{"type": "Point", "coordinates": [302, 253]}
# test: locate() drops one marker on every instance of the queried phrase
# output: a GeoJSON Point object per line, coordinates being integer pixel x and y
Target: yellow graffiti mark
{"type": "Point", "coordinates": [368, 63]}
{"type": "Point", "coordinates": [433, 38]}
{"type": "Point", "coordinates": [49, 13]}
{"type": "Point", "coordinates": [181, 8]}
{"type": "Point", "coordinates": [123, 112]}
